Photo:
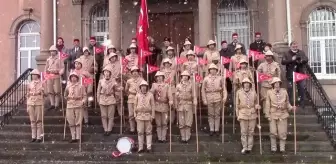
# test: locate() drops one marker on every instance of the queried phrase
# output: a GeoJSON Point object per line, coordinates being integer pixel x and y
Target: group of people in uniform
{"type": "Point", "coordinates": [174, 92]}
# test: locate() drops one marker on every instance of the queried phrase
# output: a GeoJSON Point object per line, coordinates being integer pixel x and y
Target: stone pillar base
{"type": "Point", "coordinates": [280, 48]}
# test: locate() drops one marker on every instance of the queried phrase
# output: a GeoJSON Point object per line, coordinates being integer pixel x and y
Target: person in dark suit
{"type": "Point", "coordinates": [234, 43]}
{"type": "Point", "coordinates": [258, 44]}
{"type": "Point", "coordinates": [74, 53]}
{"type": "Point", "coordinates": [225, 52]}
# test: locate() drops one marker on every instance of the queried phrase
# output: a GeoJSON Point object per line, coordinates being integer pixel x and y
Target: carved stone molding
{"type": "Point", "coordinates": [77, 2]}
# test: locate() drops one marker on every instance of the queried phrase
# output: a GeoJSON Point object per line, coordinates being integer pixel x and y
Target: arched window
{"type": "Point", "coordinates": [233, 16]}
{"type": "Point", "coordinates": [28, 45]}
{"type": "Point", "coordinates": [322, 42]}
{"type": "Point", "coordinates": [100, 22]}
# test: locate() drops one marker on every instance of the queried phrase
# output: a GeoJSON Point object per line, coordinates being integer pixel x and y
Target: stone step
{"type": "Point", "coordinates": [301, 157]}
{"type": "Point", "coordinates": [59, 128]}
{"type": "Point", "coordinates": [96, 120]}
{"type": "Point", "coordinates": [202, 136]}
{"type": "Point", "coordinates": [321, 146]}
{"type": "Point", "coordinates": [100, 162]}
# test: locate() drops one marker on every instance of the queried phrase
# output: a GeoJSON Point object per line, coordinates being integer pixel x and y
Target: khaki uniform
{"type": "Point", "coordinates": [144, 113]}
{"type": "Point", "coordinates": [190, 66]}
{"type": "Point", "coordinates": [118, 95]}
{"type": "Point", "coordinates": [76, 97]}
{"type": "Point", "coordinates": [211, 55]}
{"type": "Point", "coordinates": [239, 75]}
{"type": "Point", "coordinates": [162, 97]}
{"type": "Point", "coordinates": [132, 88]}
{"type": "Point", "coordinates": [34, 107]}
{"type": "Point", "coordinates": [88, 64]}
{"type": "Point", "coordinates": [235, 60]}
{"type": "Point", "coordinates": [276, 110]}
{"type": "Point", "coordinates": [185, 102]}
{"type": "Point", "coordinates": [246, 114]}
{"type": "Point", "coordinates": [107, 102]}
{"type": "Point", "coordinates": [171, 75]}
{"type": "Point", "coordinates": [173, 63]}
{"type": "Point", "coordinates": [115, 68]}
{"type": "Point", "coordinates": [54, 66]}
{"type": "Point", "coordinates": [213, 92]}
{"type": "Point", "coordinates": [184, 53]}
{"type": "Point", "coordinates": [272, 69]}
{"type": "Point", "coordinates": [132, 60]}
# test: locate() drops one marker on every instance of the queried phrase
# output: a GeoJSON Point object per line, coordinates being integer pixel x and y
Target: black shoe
{"type": "Point", "coordinates": [56, 108]}
{"type": "Point", "coordinates": [283, 152]}
{"type": "Point", "coordinates": [73, 141]}
{"type": "Point", "coordinates": [51, 108]}
{"type": "Point", "coordinates": [77, 140]}
{"type": "Point", "coordinates": [217, 133]}
{"type": "Point", "coordinates": [132, 132]}
{"type": "Point", "coordinates": [186, 141]}
{"type": "Point", "coordinates": [164, 141]}
{"type": "Point", "coordinates": [159, 141]}
{"type": "Point", "coordinates": [141, 151]}
{"type": "Point", "coordinates": [248, 151]}
{"type": "Point", "coordinates": [273, 151]}
{"type": "Point", "coordinates": [109, 133]}
{"type": "Point", "coordinates": [33, 140]}
{"type": "Point", "coordinates": [149, 150]}
{"type": "Point", "coordinates": [105, 133]}
{"type": "Point", "coordinates": [211, 133]}
{"type": "Point", "coordinates": [244, 151]}
{"type": "Point", "coordinates": [39, 140]}
{"type": "Point", "coordinates": [182, 141]}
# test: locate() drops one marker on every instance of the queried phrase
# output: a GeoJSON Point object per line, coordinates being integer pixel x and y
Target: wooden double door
{"type": "Point", "coordinates": [176, 26]}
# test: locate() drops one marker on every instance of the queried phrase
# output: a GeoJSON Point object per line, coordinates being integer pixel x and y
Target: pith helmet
{"type": "Point", "coordinates": [166, 60]}
{"type": "Point", "coordinates": [213, 66]}
{"type": "Point", "coordinates": [269, 53]}
{"type": "Point", "coordinates": [187, 43]}
{"type": "Point", "coordinates": [211, 42]}
{"type": "Point", "coordinates": [112, 55]}
{"type": "Point", "coordinates": [74, 73]}
{"type": "Point", "coordinates": [143, 83]}
{"type": "Point", "coordinates": [78, 61]}
{"type": "Point", "coordinates": [190, 52]}
{"type": "Point", "coordinates": [170, 48]}
{"type": "Point", "coordinates": [107, 68]}
{"type": "Point", "coordinates": [238, 46]}
{"type": "Point", "coordinates": [246, 80]}
{"type": "Point", "coordinates": [159, 73]}
{"type": "Point", "coordinates": [53, 48]}
{"type": "Point", "coordinates": [35, 72]}
{"type": "Point", "coordinates": [110, 46]}
{"type": "Point", "coordinates": [135, 68]}
{"type": "Point", "coordinates": [243, 61]}
{"type": "Point", "coordinates": [86, 49]}
{"type": "Point", "coordinates": [132, 46]}
{"type": "Point", "coordinates": [185, 73]}
{"type": "Point", "coordinates": [275, 79]}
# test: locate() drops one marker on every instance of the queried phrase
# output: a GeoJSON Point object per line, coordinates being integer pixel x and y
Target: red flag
{"type": "Point", "coordinates": [146, 53]}
{"type": "Point", "coordinates": [253, 53]}
{"type": "Point", "coordinates": [63, 55]}
{"type": "Point", "coordinates": [198, 78]}
{"type": "Point", "coordinates": [142, 28]}
{"type": "Point", "coordinates": [46, 76]}
{"type": "Point", "coordinates": [202, 61]}
{"type": "Point", "coordinates": [198, 49]}
{"type": "Point", "coordinates": [262, 77]}
{"type": "Point", "coordinates": [168, 80]}
{"type": "Point", "coordinates": [99, 50]}
{"type": "Point", "coordinates": [225, 60]}
{"type": "Point", "coordinates": [299, 76]}
{"type": "Point", "coordinates": [258, 56]}
{"type": "Point", "coordinates": [228, 73]}
{"type": "Point", "coordinates": [151, 68]}
{"type": "Point", "coordinates": [86, 81]}
{"type": "Point", "coordinates": [237, 65]}
{"type": "Point", "coordinates": [124, 61]}
{"type": "Point", "coordinates": [181, 60]}
{"type": "Point", "coordinates": [124, 69]}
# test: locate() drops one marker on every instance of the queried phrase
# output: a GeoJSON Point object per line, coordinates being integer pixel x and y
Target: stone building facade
{"type": "Point", "coordinates": [27, 27]}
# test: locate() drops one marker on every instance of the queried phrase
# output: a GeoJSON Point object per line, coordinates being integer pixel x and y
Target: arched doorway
{"type": "Point", "coordinates": [322, 42]}
{"type": "Point", "coordinates": [99, 22]}
{"type": "Point", "coordinates": [28, 46]}
{"type": "Point", "coordinates": [233, 16]}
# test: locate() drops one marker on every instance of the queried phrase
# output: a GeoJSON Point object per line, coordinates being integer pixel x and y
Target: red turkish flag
{"type": "Point", "coordinates": [143, 55]}
{"type": "Point", "coordinates": [202, 61]}
{"type": "Point", "coordinates": [86, 81]}
{"type": "Point", "coordinates": [63, 56]}
{"type": "Point", "coordinates": [198, 78]}
{"type": "Point", "coordinates": [225, 60]}
{"type": "Point", "coordinates": [98, 50]}
{"type": "Point", "coordinates": [181, 60]}
{"type": "Point", "coordinates": [237, 65]}
{"type": "Point", "coordinates": [46, 76]}
{"type": "Point", "coordinates": [253, 53]}
{"type": "Point", "coordinates": [151, 68]}
{"type": "Point", "coordinates": [198, 49]}
{"type": "Point", "coordinates": [142, 28]}
{"type": "Point", "coordinates": [299, 76]}
{"type": "Point", "coordinates": [124, 61]}
{"type": "Point", "coordinates": [258, 56]}
{"type": "Point", "coordinates": [168, 81]}
{"type": "Point", "coordinates": [124, 69]}
{"type": "Point", "coordinates": [262, 77]}
{"type": "Point", "coordinates": [228, 73]}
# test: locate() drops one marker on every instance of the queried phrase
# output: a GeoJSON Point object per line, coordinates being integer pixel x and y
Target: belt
{"type": "Point", "coordinates": [73, 98]}
{"type": "Point", "coordinates": [212, 91]}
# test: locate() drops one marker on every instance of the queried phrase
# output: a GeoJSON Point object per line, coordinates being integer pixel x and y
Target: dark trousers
{"type": "Point", "coordinates": [300, 86]}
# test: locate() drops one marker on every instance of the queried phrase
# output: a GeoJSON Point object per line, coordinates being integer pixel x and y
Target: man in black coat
{"type": "Point", "coordinates": [258, 44]}
{"type": "Point", "coordinates": [234, 43]}
{"type": "Point", "coordinates": [224, 52]}
{"type": "Point", "coordinates": [295, 61]}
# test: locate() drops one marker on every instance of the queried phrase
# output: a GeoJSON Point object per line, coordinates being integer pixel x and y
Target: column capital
{"type": "Point", "coordinates": [77, 2]}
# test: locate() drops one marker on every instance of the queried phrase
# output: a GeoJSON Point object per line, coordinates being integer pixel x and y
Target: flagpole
{"type": "Point", "coordinates": [197, 146]}
{"type": "Point", "coordinates": [41, 79]}
{"type": "Point", "coordinates": [223, 103]}
{"type": "Point", "coordinates": [294, 113]}
{"type": "Point", "coordinates": [94, 78]}
{"type": "Point", "coordinates": [81, 122]}
{"type": "Point", "coordinates": [258, 100]}
{"type": "Point", "coordinates": [146, 70]}
{"type": "Point", "coordinates": [61, 96]}
{"type": "Point", "coordinates": [121, 99]}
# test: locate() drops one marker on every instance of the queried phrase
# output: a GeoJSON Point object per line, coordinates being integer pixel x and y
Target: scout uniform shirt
{"type": "Point", "coordinates": [106, 92]}
{"type": "Point", "coordinates": [162, 96]}
{"type": "Point", "coordinates": [35, 93]}
{"type": "Point", "coordinates": [246, 102]}
{"type": "Point", "coordinates": [173, 65]}
{"type": "Point", "coordinates": [235, 60]}
{"type": "Point", "coordinates": [210, 55]}
{"type": "Point", "coordinates": [144, 105]}
{"type": "Point", "coordinates": [185, 96]}
{"type": "Point", "coordinates": [190, 66]}
{"type": "Point", "coordinates": [132, 88]}
{"type": "Point", "coordinates": [241, 74]}
{"type": "Point", "coordinates": [272, 69]}
{"type": "Point", "coordinates": [132, 60]}
{"type": "Point", "coordinates": [277, 104]}
{"type": "Point", "coordinates": [115, 68]}
{"type": "Point", "coordinates": [212, 89]}
{"type": "Point", "coordinates": [88, 64]}
{"type": "Point", "coordinates": [75, 95]}
{"type": "Point", "coordinates": [184, 53]}
{"type": "Point", "coordinates": [54, 65]}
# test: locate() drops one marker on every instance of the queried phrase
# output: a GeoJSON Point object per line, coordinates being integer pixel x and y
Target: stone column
{"type": "Point", "coordinates": [115, 23]}
{"type": "Point", "coordinates": [204, 22]}
{"type": "Point", "coordinates": [46, 32]}
{"type": "Point", "coordinates": [76, 14]}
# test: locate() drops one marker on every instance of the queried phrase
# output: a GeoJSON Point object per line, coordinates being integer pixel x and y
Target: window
{"type": "Point", "coordinates": [28, 46]}
{"type": "Point", "coordinates": [322, 42]}
{"type": "Point", "coordinates": [233, 16]}
{"type": "Point", "coordinates": [100, 23]}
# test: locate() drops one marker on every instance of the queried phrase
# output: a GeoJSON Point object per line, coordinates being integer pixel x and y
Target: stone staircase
{"type": "Point", "coordinates": [312, 143]}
